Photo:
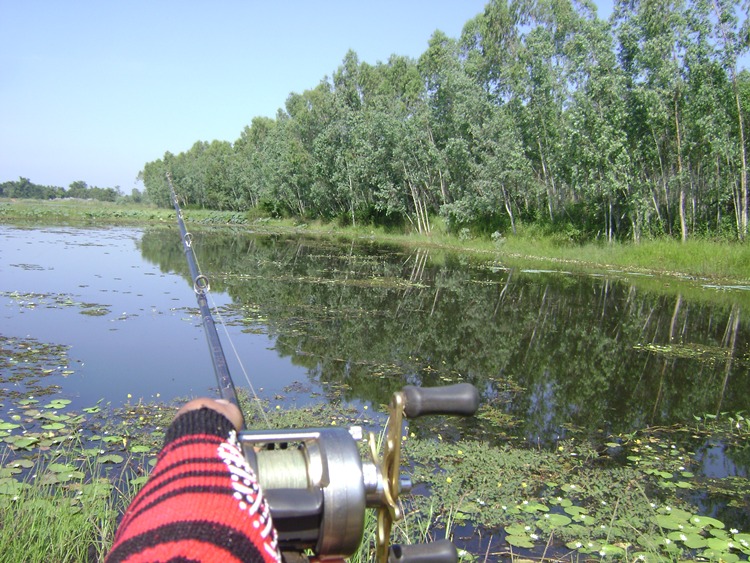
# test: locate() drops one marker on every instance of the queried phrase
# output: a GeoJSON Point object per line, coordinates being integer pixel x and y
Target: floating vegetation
{"type": "Point", "coordinates": [634, 500]}
{"type": "Point", "coordinates": [54, 301]}
{"type": "Point", "coordinates": [691, 351]}
{"type": "Point", "coordinates": [633, 496]}
{"type": "Point", "coordinates": [25, 363]}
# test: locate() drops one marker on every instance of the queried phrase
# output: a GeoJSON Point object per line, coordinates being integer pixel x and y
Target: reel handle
{"type": "Point", "coordinates": [459, 399]}
{"type": "Point", "coordinates": [442, 551]}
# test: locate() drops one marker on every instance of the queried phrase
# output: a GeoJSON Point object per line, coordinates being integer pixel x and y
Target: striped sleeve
{"type": "Point", "coordinates": [201, 503]}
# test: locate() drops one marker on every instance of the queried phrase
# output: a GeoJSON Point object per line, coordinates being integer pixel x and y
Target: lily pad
{"type": "Point", "coordinates": [718, 555]}
{"type": "Point", "coordinates": [690, 540]}
{"type": "Point", "coordinates": [518, 530]}
{"type": "Point", "coordinates": [534, 507]}
{"type": "Point", "coordinates": [60, 468]}
{"type": "Point", "coordinates": [556, 520]}
{"type": "Point", "coordinates": [520, 541]}
{"type": "Point", "coordinates": [24, 443]}
{"type": "Point", "coordinates": [611, 550]}
{"type": "Point", "coordinates": [21, 462]}
{"type": "Point", "coordinates": [705, 521]}
{"type": "Point", "coordinates": [110, 458]}
{"type": "Point", "coordinates": [10, 487]}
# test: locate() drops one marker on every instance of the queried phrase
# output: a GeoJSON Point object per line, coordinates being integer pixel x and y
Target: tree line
{"type": "Point", "coordinates": [540, 112]}
{"type": "Point", "coordinates": [26, 189]}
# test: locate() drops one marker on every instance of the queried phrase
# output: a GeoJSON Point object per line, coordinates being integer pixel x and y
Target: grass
{"type": "Point", "coordinates": [65, 511]}
{"type": "Point", "coordinates": [573, 503]}
{"type": "Point", "coordinates": [502, 490]}
{"type": "Point", "coordinates": [724, 262]}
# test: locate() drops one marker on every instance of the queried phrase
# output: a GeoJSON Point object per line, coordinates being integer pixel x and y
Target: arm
{"type": "Point", "coordinates": [202, 501]}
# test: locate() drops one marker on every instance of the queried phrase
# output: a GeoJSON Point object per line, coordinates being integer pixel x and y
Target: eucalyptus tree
{"type": "Point", "coordinates": [732, 41]}
{"type": "Point", "coordinates": [474, 137]}
{"type": "Point", "coordinates": [544, 93]}
{"type": "Point", "coordinates": [601, 171]}
{"type": "Point", "coordinates": [289, 153]}
{"type": "Point", "coordinates": [652, 37]}
{"type": "Point", "coordinates": [355, 151]}
{"type": "Point", "coordinates": [247, 168]}
{"type": "Point", "coordinates": [336, 178]}
{"type": "Point", "coordinates": [517, 51]}
{"type": "Point", "coordinates": [154, 178]}
{"type": "Point", "coordinates": [711, 146]}
{"type": "Point", "coordinates": [288, 169]}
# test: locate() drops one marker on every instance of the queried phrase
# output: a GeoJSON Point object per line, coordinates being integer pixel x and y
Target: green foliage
{"type": "Point", "coordinates": [24, 188]}
{"type": "Point", "coordinates": [541, 112]}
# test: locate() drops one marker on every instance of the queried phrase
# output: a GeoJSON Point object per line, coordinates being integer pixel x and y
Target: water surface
{"type": "Point", "coordinates": [357, 320]}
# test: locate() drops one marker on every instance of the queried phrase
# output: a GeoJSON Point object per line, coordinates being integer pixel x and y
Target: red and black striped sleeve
{"type": "Point", "coordinates": [202, 501]}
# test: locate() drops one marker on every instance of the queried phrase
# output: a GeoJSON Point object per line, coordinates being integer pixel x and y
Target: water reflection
{"type": "Point", "coordinates": [551, 350]}
{"type": "Point", "coordinates": [591, 352]}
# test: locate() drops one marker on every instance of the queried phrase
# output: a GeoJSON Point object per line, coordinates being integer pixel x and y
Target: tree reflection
{"type": "Point", "coordinates": [591, 352]}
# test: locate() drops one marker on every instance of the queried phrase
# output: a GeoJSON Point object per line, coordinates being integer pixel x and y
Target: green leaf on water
{"type": "Point", "coordinates": [719, 555]}
{"type": "Point", "coordinates": [25, 443]}
{"type": "Point", "coordinates": [9, 426]}
{"type": "Point", "coordinates": [22, 463]}
{"type": "Point", "coordinates": [556, 520]}
{"type": "Point", "coordinates": [534, 507]}
{"type": "Point", "coordinates": [60, 468]}
{"type": "Point", "coordinates": [575, 510]}
{"type": "Point", "coordinates": [518, 530]}
{"type": "Point", "coordinates": [691, 539]}
{"type": "Point", "coordinates": [111, 458]}
{"type": "Point", "coordinates": [611, 550]}
{"type": "Point", "coordinates": [140, 449]}
{"type": "Point", "coordinates": [669, 522]}
{"type": "Point", "coordinates": [53, 426]}
{"type": "Point", "coordinates": [706, 521]}
{"type": "Point", "coordinates": [519, 541]}
{"type": "Point", "coordinates": [10, 487]}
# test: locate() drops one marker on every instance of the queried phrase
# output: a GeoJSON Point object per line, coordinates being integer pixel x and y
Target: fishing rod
{"type": "Point", "coordinates": [317, 484]}
{"type": "Point", "coordinates": [201, 288]}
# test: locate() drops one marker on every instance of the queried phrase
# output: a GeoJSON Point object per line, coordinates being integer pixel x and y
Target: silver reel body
{"type": "Point", "coordinates": [318, 486]}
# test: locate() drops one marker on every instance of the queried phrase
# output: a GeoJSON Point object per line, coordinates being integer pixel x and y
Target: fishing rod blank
{"type": "Point", "coordinates": [201, 287]}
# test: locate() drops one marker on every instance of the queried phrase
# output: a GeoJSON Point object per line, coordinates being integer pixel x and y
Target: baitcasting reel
{"type": "Point", "coordinates": [318, 487]}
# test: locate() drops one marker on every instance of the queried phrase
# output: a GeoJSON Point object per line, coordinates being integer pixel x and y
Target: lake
{"type": "Point", "coordinates": [320, 319]}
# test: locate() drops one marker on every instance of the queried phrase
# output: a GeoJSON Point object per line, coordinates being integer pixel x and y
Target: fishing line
{"type": "Point", "coordinates": [217, 313]}
{"type": "Point", "coordinates": [256, 398]}
{"type": "Point", "coordinates": [202, 289]}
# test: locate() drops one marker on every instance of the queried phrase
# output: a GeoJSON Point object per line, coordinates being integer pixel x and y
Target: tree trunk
{"type": "Point", "coordinates": [351, 199]}
{"type": "Point", "coordinates": [683, 222]}
{"type": "Point", "coordinates": [509, 209]}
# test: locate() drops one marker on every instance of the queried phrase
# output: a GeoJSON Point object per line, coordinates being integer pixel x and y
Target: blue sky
{"type": "Point", "coordinates": [92, 90]}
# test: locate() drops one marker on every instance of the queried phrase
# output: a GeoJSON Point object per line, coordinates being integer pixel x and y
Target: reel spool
{"type": "Point", "coordinates": [318, 487]}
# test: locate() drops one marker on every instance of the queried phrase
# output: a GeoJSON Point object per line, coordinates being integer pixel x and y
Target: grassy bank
{"type": "Point", "coordinates": [636, 500]}
{"type": "Point", "coordinates": [67, 474]}
{"type": "Point", "coordinates": [724, 262]}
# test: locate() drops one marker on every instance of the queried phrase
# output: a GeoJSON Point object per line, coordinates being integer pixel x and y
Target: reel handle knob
{"type": "Point", "coordinates": [442, 551]}
{"type": "Point", "coordinates": [461, 399]}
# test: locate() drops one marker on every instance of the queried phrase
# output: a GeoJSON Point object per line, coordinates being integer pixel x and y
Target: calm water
{"type": "Point", "coordinates": [358, 320]}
